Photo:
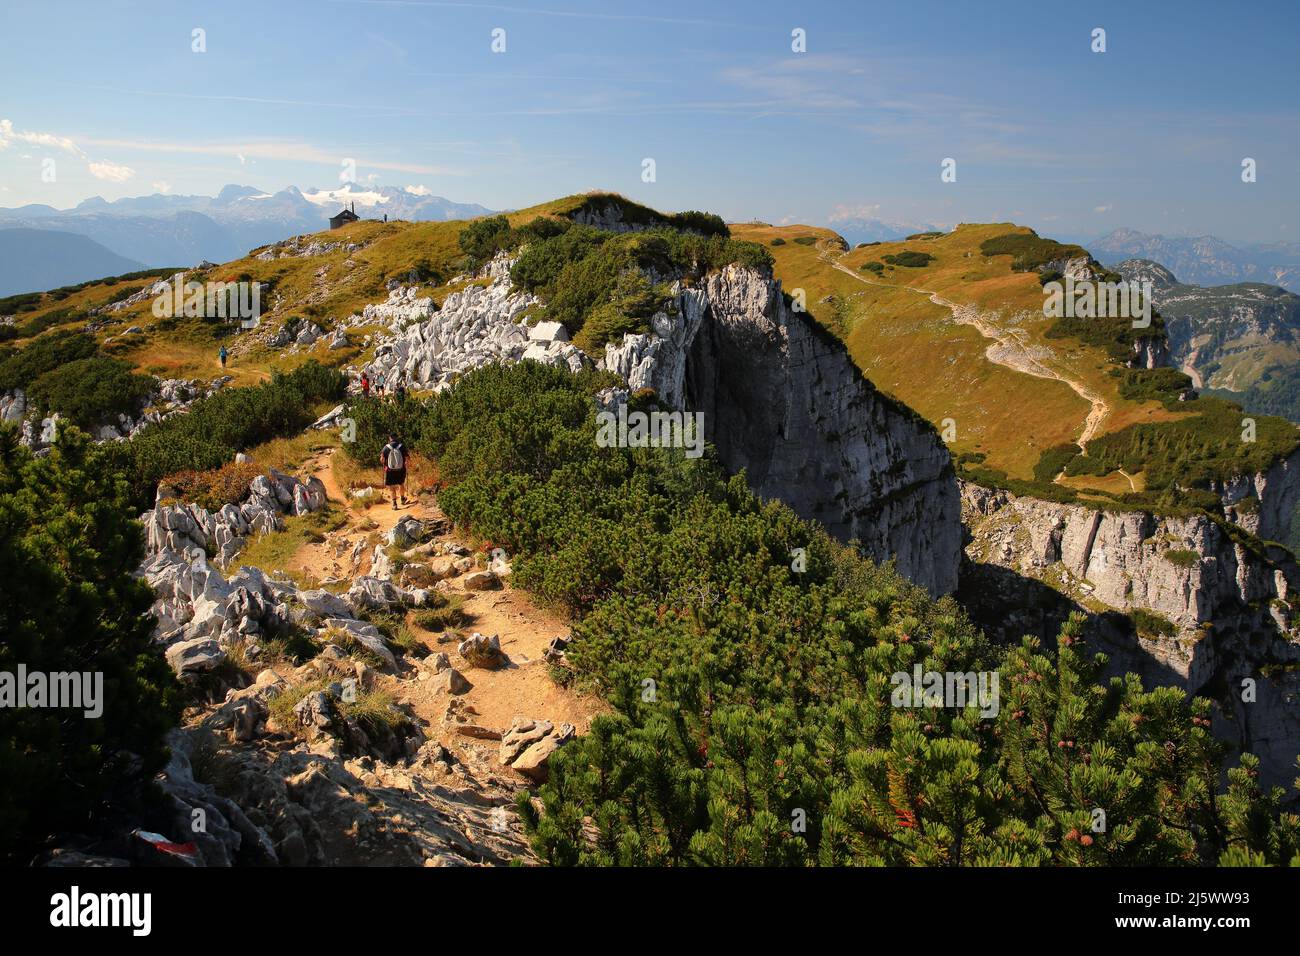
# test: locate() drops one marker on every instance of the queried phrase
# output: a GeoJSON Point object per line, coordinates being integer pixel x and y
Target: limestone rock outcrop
{"type": "Point", "coordinates": [1233, 604]}
{"type": "Point", "coordinates": [782, 399]}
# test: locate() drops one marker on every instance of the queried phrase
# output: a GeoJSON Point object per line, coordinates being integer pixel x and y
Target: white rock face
{"type": "Point", "coordinates": [657, 359]}
{"type": "Point", "coordinates": [200, 612]}
{"type": "Point", "coordinates": [1265, 503]}
{"type": "Point", "coordinates": [404, 304]}
{"type": "Point", "coordinates": [190, 528]}
{"type": "Point", "coordinates": [783, 400]}
{"type": "Point", "coordinates": [427, 346]}
{"type": "Point", "coordinates": [1229, 603]}
{"type": "Point", "coordinates": [13, 406]}
{"type": "Point", "coordinates": [548, 332]}
{"type": "Point", "coordinates": [299, 247]}
{"type": "Point", "coordinates": [1129, 559]}
{"type": "Point", "coordinates": [174, 396]}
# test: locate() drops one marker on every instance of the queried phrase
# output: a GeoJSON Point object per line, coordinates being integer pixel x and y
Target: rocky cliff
{"type": "Point", "coordinates": [1230, 607]}
{"type": "Point", "coordinates": [782, 399]}
{"type": "Point", "coordinates": [1242, 338]}
{"type": "Point", "coordinates": [1265, 504]}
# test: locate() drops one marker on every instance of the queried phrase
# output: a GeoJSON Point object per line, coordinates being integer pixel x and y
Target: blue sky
{"type": "Point", "coordinates": [1149, 134]}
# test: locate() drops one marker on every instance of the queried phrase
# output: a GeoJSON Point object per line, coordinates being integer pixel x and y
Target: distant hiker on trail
{"type": "Point", "coordinates": [379, 384]}
{"type": "Point", "coordinates": [365, 385]}
{"type": "Point", "coordinates": [223, 353]}
{"type": "Point", "coordinates": [393, 458]}
{"type": "Point", "coordinates": [400, 390]}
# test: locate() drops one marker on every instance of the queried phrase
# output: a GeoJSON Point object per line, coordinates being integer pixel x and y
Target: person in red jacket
{"type": "Point", "coordinates": [365, 385]}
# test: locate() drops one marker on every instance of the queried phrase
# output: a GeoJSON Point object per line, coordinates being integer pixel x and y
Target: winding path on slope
{"type": "Point", "coordinates": [1011, 350]}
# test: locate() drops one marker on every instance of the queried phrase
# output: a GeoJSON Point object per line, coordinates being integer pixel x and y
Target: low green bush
{"type": "Point", "coordinates": [91, 391]}
{"type": "Point", "coordinates": [1150, 624]}
{"type": "Point", "coordinates": [1054, 460]}
{"type": "Point", "coordinates": [69, 550]}
{"type": "Point", "coordinates": [1029, 251]}
{"type": "Point", "coordinates": [911, 260]}
{"type": "Point", "coordinates": [1147, 384]}
{"type": "Point", "coordinates": [745, 692]}
{"type": "Point", "coordinates": [214, 428]}
{"type": "Point", "coordinates": [20, 367]}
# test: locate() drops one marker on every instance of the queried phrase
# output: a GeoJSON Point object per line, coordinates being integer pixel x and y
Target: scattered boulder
{"type": "Point", "coordinates": [246, 717]}
{"type": "Point", "coordinates": [331, 418]}
{"type": "Point", "coordinates": [453, 681]}
{"type": "Point", "coordinates": [443, 567]}
{"type": "Point", "coordinates": [555, 649]}
{"type": "Point", "coordinates": [532, 763]}
{"type": "Point", "coordinates": [480, 651]}
{"type": "Point", "coordinates": [324, 603]}
{"type": "Point", "coordinates": [548, 332]}
{"type": "Point", "coordinates": [309, 334]}
{"type": "Point", "coordinates": [195, 656]}
{"type": "Point", "coordinates": [369, 593]}
{"type": "Point", "coordinates": [407, 532]}
{"type": "Point", "coordinates": [367, 635]}
{"type": "Point", "coordinates": [528, 744]}
{"type": "Point", "coordinates": [315, 712]}
{"type": "Point", "coordinates": [481, 581]}
{"type": "Point", "coordinates": [523, 733]}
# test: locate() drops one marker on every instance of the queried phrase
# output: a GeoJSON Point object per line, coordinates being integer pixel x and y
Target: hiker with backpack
{"type": "Point", "coordinates": [393, 458]}
{"type": "Point", "coordinates": [222, 353]}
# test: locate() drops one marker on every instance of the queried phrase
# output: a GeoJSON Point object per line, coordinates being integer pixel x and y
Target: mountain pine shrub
{"type": "Point", "coordinates": [68, 550]}
{"type": "Point", "coordinates": [752, 717]}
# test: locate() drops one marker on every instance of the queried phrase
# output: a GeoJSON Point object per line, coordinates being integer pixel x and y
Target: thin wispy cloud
{"type": "Point", "coordinates": [285, 151]}
{"type": "Point", "coordinates": [100, 169]}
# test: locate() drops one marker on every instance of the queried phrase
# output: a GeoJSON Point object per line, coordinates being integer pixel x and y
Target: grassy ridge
{"type": "Point", "coordinates": [1013, 429]}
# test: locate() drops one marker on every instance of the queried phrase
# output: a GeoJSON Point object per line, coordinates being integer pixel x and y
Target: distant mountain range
{"type": "Point", "coordinates": [1205, 260]}
{"type": "Point", "coordinates": [1241, 340]}
{"type": "Point", "coordinates": [167, 230]}
{"type": "Point", "coordinates": [856, 229]}
{"type": "Point", "coordinates": [39, 259]}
